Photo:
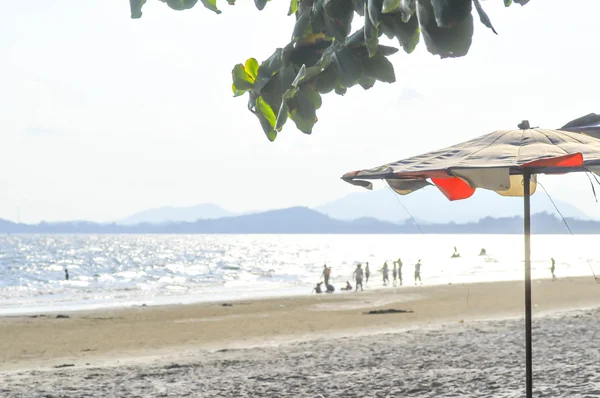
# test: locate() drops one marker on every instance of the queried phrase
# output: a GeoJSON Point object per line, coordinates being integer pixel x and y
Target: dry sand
{"type": "Point", "coordinates": [460, 340]}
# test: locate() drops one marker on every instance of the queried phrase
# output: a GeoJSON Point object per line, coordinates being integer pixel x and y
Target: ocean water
{"type": "Point", "coordinates": [125, 270]}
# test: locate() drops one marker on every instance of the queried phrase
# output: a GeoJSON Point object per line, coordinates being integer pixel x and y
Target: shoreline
{"type": "Point", "coordinates": [110, 337]}
{"type": "Point", "coordinates": [219, 296]}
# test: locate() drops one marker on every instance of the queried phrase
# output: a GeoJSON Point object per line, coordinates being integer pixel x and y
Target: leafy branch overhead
{"type": "Point", "coordinates": [323, 54]}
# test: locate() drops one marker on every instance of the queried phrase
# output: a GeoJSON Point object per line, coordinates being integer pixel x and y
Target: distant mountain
{"type": "Point", "coordinates": [161, 215]}
{"type": "Point", "coordinates": [301, 220]}
{"type": "Point", "coordinates": [430, 206]}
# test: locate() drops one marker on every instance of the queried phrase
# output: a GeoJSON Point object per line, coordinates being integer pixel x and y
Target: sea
{"type": "Point", "coordinates": [129, 270]}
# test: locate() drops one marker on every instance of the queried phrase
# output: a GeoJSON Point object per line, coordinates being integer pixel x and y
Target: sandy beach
{"type": "Point", "coordinates": [454, 340]}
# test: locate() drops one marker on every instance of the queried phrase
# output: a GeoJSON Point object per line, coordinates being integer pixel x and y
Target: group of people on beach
{"type": "Point", "coordinates": [359, 274]}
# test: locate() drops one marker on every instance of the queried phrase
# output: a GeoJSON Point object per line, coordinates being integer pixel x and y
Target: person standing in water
{"type": "Point", "coordinates": [418, 272]}
{"type": "Point", "coordinates": [326, 273]}
{"type": "Point", "coordinates": [394, 274]}
{"type": "Point", "coordinates": [358, 275]}
{"type": "Point", "coordinates": [552, 268]}
{"type": "Point", "coordinates": [66, 274]}
{"type": "Point", "coordinates": [367, 272]}
{"type": "Point", "coordinates": [399, 262]}
{"type": "Point", "coordinates": [386, 276]}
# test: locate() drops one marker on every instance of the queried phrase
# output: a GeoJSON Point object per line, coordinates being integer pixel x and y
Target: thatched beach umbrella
{"type": "Point", "coordinates": [504, 161]}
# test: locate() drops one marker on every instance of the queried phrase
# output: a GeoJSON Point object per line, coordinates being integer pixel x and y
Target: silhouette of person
{"type": "Point", "coordinates": [358, 274]}
{"type": "Point", "coordinates": [66, 274]}
{"type": "Point", "coordinates": [399, 262]}
{"type": "Point", "coordinates": [552, 268]}
{"type": "Point", "coordinates": [317, 289]}
{"type": "Point", "coordinates": [395, 274]}
{"type": "Point", "coordinates": [367, 272]}
{"type": "Point", "coordinates": [418, 272]}
{"type": "Point", "coordinates": [386, 276]}
{"type": "Point", "coordinates": [326, 273]}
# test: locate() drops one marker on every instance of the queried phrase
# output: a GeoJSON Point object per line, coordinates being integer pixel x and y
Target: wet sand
{"type": "Point", "coordinates": [458, 340]}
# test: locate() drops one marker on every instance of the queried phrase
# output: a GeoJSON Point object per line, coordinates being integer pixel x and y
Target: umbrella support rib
{"type": "Point", "coordinates": [527, 225]}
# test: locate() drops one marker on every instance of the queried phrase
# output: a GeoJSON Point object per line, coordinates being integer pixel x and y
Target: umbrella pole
{"type": "Point", "coordinates": [527, 225]}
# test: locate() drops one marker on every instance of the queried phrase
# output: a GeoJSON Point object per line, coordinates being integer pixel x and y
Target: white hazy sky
{"type": "Point", "coordinates": [102, 116]}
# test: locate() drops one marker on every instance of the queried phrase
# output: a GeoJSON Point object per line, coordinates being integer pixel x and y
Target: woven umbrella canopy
{"type": "Point", "coordinates": [506, 162]}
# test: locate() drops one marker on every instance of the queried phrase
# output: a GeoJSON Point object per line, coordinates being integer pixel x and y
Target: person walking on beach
{"type": "Point", "coordinates": [552, 268]}
{"type": "Point", "coordinates": [394, 274]}
{"type": "Point", "coordinates": [399, 262]}
{"type": "Point", "coordinates": [358, 275]}
{"type": "Point", "coordinates": [326, 274]}
{"type": "Point", "coordinates": [386, 276]}
{"type": "Point", "coordinates": [418, 272]}
{"type": "Point", "coordinates": [367, 272]}
{"type": "Point", "coordinates": [66, 274]}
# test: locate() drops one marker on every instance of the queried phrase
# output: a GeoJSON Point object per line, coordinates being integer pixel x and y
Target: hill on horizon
{"type": "Point", "coordinates": [429, 205]}
{"type": "Point", "coordinates": [302, 220]}
{"type": "Point", "coordinates": [205, 211]}
{"type": "Point", "coordinates": [426, 206]}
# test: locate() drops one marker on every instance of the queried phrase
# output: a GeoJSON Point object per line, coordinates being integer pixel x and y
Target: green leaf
{"type": "Point", "coordinates": [293, 7]}
{"type": "Point", "coordinates": [302, 124]}
{"type": "Point", "coordinates": [300, 76]}
{"type": "Point", "coordinates": [211, 5]}
{"type": "Point", "coordinates": [287, 75]}
{"type": "Point", "coordinates": [390, 6]}
{"type": "Point", "coordinates": [268, 68]}
{"type": "Point", "coordinates": [407, 9]}
{"type": "Point", "coordinates": [304, 105]}
{"type": "Point", "coordinates": [302, 27]}
{"type": "Point", "coordinates": [271, 65]}
{"type": "Point", "coordinates": [260, 4]}
{"type": "Point", "coordinates": [136, 8]}
{"type": "Point", "coordinates": [282, 116]}
{"type": "Point", "coordinates": [372, 22]}
{"type": "Point", "coordinates": [446, 42]}
{"type": "Point", "coordinates": [264, 109]}
{"type": "Point", "coordinates": [407, 33]}
{"type": "Point", "coordinates": [236, 92]}
{"type": "Point", "coordinates": [450, 13]}
{"type": "Point", "coordinates": [371, 36]}
{"type": "Point", "coordinates": [272, 93]}
{"type": "Point", "coordinates": [317, 16]}
{"type": "Point", "coordinates": [242, 81]}
{"type": "Point", "coordinates": [180, 5]}
{"type": "Point", "coordinates": [367, 82]}
{"type": "Point", "coordinates": [314, 96]}
{"type": "Point", "coordinates": [521, 2]}
{"type": "Point", "coordinates": [483, 16]}
{"type": "Point", "coordinates": [359, 7]}
{"type": "Point", "coordinates": [251, 68]}
{"type": "Point", "coordinates": [386, 50]}
{"type": "Point", "coordinates": [349, 67]}
{"type": "Point", "coordinates": [380, 68]}
{"type": "Point", "coordinates": [338, 18]}
{"type": "Point", "coordinates": [374, 11]}
{"type": "Point", "coordinates": [323, 63]}
{"type": "Point", "coordinates": [266, 126]}
{"type": "Point", "coordinates": [507, 3]}
{"type": "Point", "coordinates": [326, 81]}
{"type": "Point", "coordinates": [340, 90]}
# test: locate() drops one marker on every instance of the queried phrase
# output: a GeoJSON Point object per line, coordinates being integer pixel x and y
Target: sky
{"type": "Point", "coordinates": [103, 116]}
